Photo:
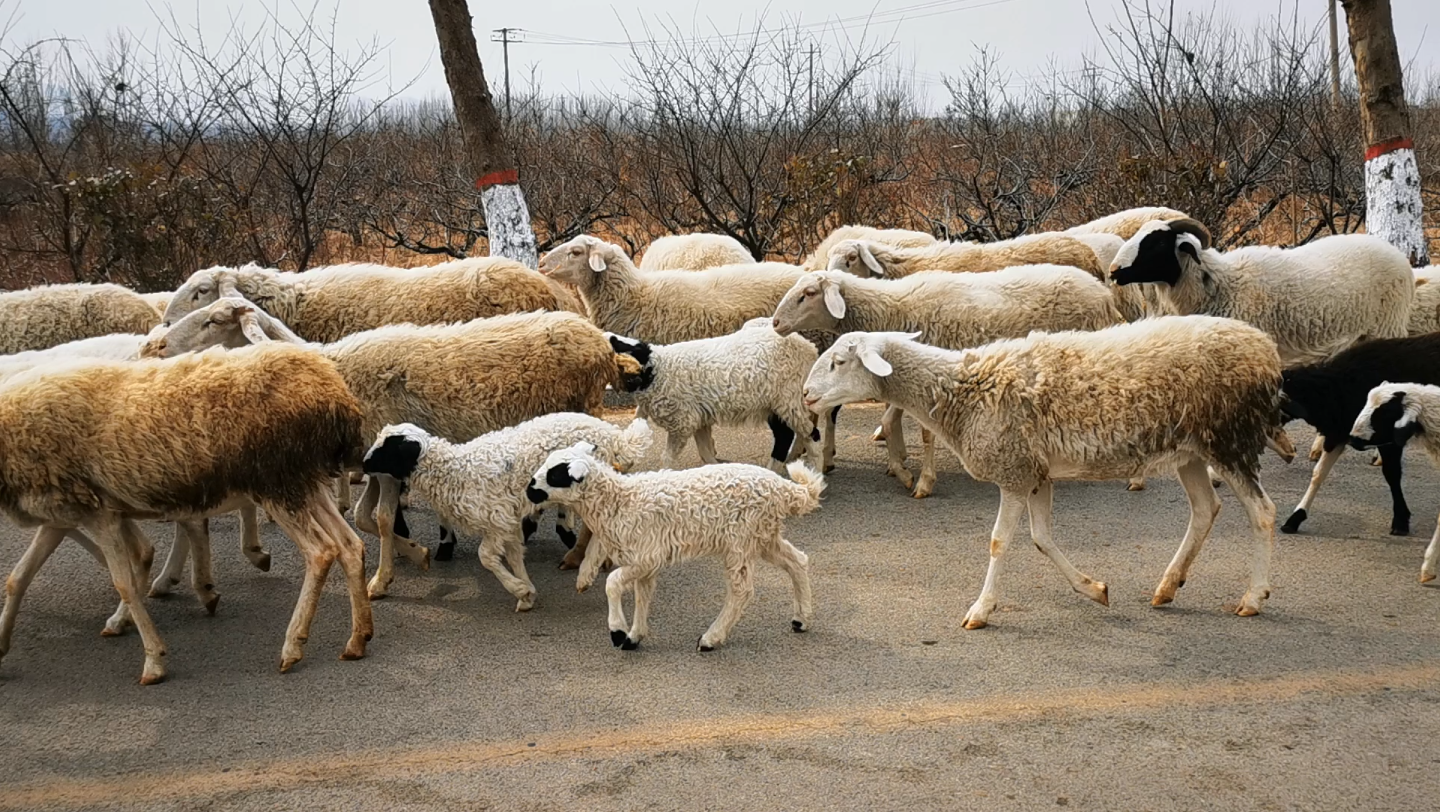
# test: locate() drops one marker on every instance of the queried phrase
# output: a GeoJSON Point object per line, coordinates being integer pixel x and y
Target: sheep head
{"type": "Point", "coordinates": [851, 370]}
{"type": "Point", "coordinates": [857, 257]}
{"type": "Point", "coordinates": [815, 302]}
{"type": "Point", "coordinates": [1158, 250]}
{"type": "Point", "coordinates": [396, 451]}
{"type": "Point", "coordinates": [561, 472]}
{"type": "Point", "coordinates": [202, 288]}
{"type": "Point", "coordinates": [1389, 416]}
{"type": "Point", "coordinates": [579, 259]}
{"type": "Point", "coordinates": [231, 321]}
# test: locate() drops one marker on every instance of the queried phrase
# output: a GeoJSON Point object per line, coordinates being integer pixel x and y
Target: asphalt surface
{"type": "Point", "coordinates": [1329, 700]}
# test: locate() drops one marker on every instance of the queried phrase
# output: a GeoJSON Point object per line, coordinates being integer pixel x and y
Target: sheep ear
{"type": "Point", "coordinates": [250, 326]}
{"type": "Point", "coordinates": [1189, 244]}
{"type": "Point", "coordinates": [597, 261]}
{"type": "Point", "coordinates": [579, 469]}
{"type": "Point", "coordinates": [870, 261]}
{"type": "Point", "coordinates": [873, 362]}
{"type": "Point", "coordinates": [834, 302]}
{"type": "Point", "coordinates": [913, 336]}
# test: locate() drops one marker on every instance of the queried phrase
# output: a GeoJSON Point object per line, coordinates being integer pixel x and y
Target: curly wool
{"type": "Point", "coordinates": [42, 317]}
{"type": "Point", "coordinates": [1124, 224]}
{"type": "Point", "coordinates": [1425, 314]}
{"type": "Point", "coordinates": [327, 304]}
{"type": "Point", "coordinates": [694, 252]}
{"type": "Point", "coordinates": [964, 257]}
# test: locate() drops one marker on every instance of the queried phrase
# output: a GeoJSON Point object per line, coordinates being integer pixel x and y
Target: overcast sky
{"type": "Point", "coordinates": [930, 38]}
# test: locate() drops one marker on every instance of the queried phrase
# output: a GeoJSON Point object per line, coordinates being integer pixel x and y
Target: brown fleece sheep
{"type": "Point", "coordinates": [96, 444]}
{"type": "Point", "coordinates": [43, 317]}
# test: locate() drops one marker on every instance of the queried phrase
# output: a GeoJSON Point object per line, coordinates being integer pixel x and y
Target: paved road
{"type": "Point", "coordinates": [1329, 700]}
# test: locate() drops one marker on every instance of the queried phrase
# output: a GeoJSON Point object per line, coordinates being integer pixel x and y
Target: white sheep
{"type": "Point", "coordinates": [93, 444]}
{"type": "Point", "coordinates": [1425, 315]}
{"type": "Point", "coordinates": [1395, 413]}
{"type": "Point", "coordinates": [751, 376]}
{"type": "Point", "coordinates": [664, 307]}
{"type": "Point", "coordinates": [479, 486]}
{"type": "Point", "coordinates": [648, 521]}
{"type": "Point", "coordinates": [1314, 300]}
{"type": "Point", "coordinates": [694, 252]}
{"type": "Point", "coordinates": [865, 258]}
{"type": "Point", "coordinates": [950, 310]}
{"type": "Point", "coordinates": [42, 317]}
{"type": "Point", "coordinates": [1124, 224]}
{"type": "Point", "coordinates": [1170, 393]}
{"type": "Point", "coordinates": [327, 304]}
{"type": "Point", "coordinates": [819, 259]}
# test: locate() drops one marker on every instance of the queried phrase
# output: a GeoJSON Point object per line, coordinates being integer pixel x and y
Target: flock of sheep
{"type": "Point", "coordinates": [1121, 348]}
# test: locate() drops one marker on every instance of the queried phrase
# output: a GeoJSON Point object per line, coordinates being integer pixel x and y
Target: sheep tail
{"type": "Point", "coordinates": [812, 481]}
{"type": "Point", "coordinates": [633, 442]}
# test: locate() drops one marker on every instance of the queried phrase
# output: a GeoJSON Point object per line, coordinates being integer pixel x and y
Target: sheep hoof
{"type": "Point", "coordinates": [617, 637]}
{"type": "Point", "coordinates": [923, 490]}
{"type": "Point", "coordinates": [1292, 524]}
{"type": "Point", "coordinates": [798, 626]}
{"type": "Point", "coordinates": [973, 624]}
{"type": "Point", "coordinates": [526, 603]}
{"type": "Point", "coordinates": [211, 604]}
{"type": "Point", "coordinates": [701, 647]}
{"type": "Point", "coordinates": [287, 664]}
{"type": "Point", "coordinates": [1247, 611]}
{"type": "Point", "coordinates": [829, 468]}
{"type": "Point", "coordinates": [354, 650]}
{"type": "Point", "coordinates": [1426, 577]}
{"type": "Point", "coordinates": [1103, 597]}
{"type": "Point", "coordinates": [152, 677]}
{"type": "Point", "coordinates": [262, 562]}
{"type": "Point", "coordinates": [567, 564]}
{"type": "Point", "coordinates": [629, 645]}
{"type": "Point", "coordinates": [444, 551]}
{"type": "Point", "coordinates": [1400, 527]}
{"type": "Point", "coordinates": [1136, 485]}
{"type": "Point", "coordinates": [1161, 599]}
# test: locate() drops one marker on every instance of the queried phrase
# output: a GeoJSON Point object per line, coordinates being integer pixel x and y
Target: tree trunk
{"type": "Point", "coordinates": [507, 217]}
{"type": "Point", "coordinates": [1392, 175]}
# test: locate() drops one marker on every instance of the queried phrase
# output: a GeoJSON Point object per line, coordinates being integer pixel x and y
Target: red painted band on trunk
{"type": "Point", "coordinates": [1384, 147]}
{"type": "Point", "coordinates": [497, 178]}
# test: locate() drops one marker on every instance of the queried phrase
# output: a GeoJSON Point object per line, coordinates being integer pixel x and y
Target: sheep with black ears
{"type": "Point", "coordinates": [648, 521]}
{"type": "Point", "coordinates": [694, 252]}
{"type": "Point", "coordinates": [1314, 300]}
{"type": "Point", "coordinates": [665, 307]}
{"type": "Point", "coordinates": [751, 376]}
{"type": "Point", "coordinates": [1395, 413]}
{"type": "Point", "coordinates": [819, 259]}
{"type": "Point", "coordinates": [42, 317]}
{"type": "Point", "coordinates": [1331, 394]}
{"type": "Point", "coordinates": [950, 310]}
{"type": "Point", "coordinates": [479, 486]}
{"type": "Point", "coordinates": [327, 304]}
{"type": "Point", "coordinates": [1170, 393]}
{"type": "Point", "coordinates": [93, 444]}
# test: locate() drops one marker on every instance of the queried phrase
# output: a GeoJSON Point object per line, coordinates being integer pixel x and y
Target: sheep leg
{"type": "Point", "coordinates": [250, 545]}
{"type": "Point", "coordinates": [142, 554]}
{"type": "Point", "coordinates": [350, 551]}
{"type": "Point", "coordinates": [1012, 505]}
{"type": "Point", "coordinates": [797, 565]}
{"type": "Point", "coordinates": [787, 441]}
{"type": "Point", "coordinates": [202, 576]}
{"type": "Point", "coordinates": [895, 447]}
{"type": "Point", "coordinates": [46, 540]}
{"type": "Point", "coordinates": [1042, 531]}
{"type": "Point", "coordinates": [385, 516]}
{"type": "Point", "coordinates": [1317, 478]}
{"type": "Point", "coordinates": [319, 554]}
{"type": "Point", "coordinates": [740, 576]}
{"type": "Point", "coordinates": [492, 548]}
{"type": "Point", "coordinates": [705, 444]}
{"type": "Point", "coordinates": [567, 526]}
{"type": "Point", "coordinates": [882, 431]}
{"type": "Point", "coordinates": [121, 542]}
{"type": "Point", "coordinates": [827, 434]}
{"type": "Point", "coordinates": [615, 586]}
{"type": "Point", "coordinates": [365, 508]}
{"type": "Point", "coordinates": [1390, 455]}
{"type": "Point", "coordinates": [1136, 483]}
{"type": "Point", "coordinates": [675, 442]}
{"type": "Point", "coordinates": [1317, 448]}
{"type": "Point", "coordinates": [1204, 507]}
{"type": "Point", "coordinates": [169, 575]}
{"type": "Point", "coordinates": [1261, 512]}
{"type": "Point", "coordinates": [515, 559]}
{"type": "Point", "coordinates": [342, 491]}
{"type": "Point", "coordinates": [576, 556]}
{"type": "Point", "coordinates": [1427, 568]}
{"type": "Point", "coordinates": [589, 563]}
{"type": "Point", "coordinates": [926, 485]}
{"type": "Point", "coordinates": [85, 543]}
{"type": "Point", "coordinates": [644, 584]}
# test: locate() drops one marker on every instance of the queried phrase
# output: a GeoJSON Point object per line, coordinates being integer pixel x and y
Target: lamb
{"type": "Point", "coordinates": [1425, 315]}
{"type": "Point", "coordinates": [865, 258]}
{"type": "Point", "coordinates": [1124, 224]}
{"type": "Point", "coordinates": [1314, 300]}
{"type": "Point", "coordinates": [952, 311]}
{"type": "Point", "coordinates": [1169, 393]}
{"type": "Point", "coordinates": [457, 381]}
{"type": "Point", "coordinates": [694, 252]}
{"type": "Point", "coordinates": [1393, 414]}
{"type": "Point", "coordinates": [751, 376]}
{"type": "Point", "coordinates": [479, 486]}
{"type": "Point", "coordinates": [42, 317]}
{"type": "Point", "coordinates": [819, 259]}
{"type": "Point", "coordinates": [91, 445]}
{"type": "Point", "coordinates": [665, 307]}
{"type": "Point", "coordinates": [645, 522]}
{"type": "Point", "coordinates": [1332, 394]}
{"type": "Point", "coordinates": [327, 304]}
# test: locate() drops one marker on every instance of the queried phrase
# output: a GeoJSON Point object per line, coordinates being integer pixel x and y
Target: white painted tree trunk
{"type": "Point", "coordinates": [1392, 203]}
{"type": "Point", "coordinates": [507, 219]}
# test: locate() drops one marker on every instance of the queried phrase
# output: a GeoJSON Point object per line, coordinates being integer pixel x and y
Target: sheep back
{"type": "Point", "coordinates": [1425, 314]}
{"type": "Point", "coordinates": [1125, 223]}
{"type": "Point", "coordinates": [693, 252]}
{"type": "Point", "coordinates": [819, 259]}
{"type": "Point", "coordinates": [665, 307]}
{"type": "Point", "coordinates": [42, 317]}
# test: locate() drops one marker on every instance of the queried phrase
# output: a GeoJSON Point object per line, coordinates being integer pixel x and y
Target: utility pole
{"type": "Point", "coordinates": [1334, 58]}
{"type": "Point", "coordinates": [507, 217]}
{"type": "Point", "coordinates": [504, 38]}
{"type": "Point", "coordinates": [1392, 175]}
